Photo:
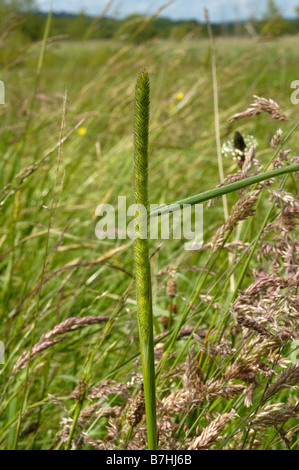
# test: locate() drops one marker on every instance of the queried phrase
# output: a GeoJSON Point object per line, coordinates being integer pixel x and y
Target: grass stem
{"type": "Point", "coordinates": [141, 255]}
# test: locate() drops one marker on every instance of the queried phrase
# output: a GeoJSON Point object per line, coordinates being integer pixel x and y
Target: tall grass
{"type": "Point", "coordinates": [141, 257]}
{"type": "Point", "coordinates": [223, 359]}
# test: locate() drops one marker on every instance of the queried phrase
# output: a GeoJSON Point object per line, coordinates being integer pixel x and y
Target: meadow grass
{"type": "Point", "coordinates": [79, 384]}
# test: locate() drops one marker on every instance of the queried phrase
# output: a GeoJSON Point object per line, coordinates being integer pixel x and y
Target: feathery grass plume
{"type": "Point", "coordinates": [286, 198]}
{"type": "Point", "coordinates": [248, 402]}
{"type": "Point", "coordinates": [66, 424]}
{"type": "Point", "coordinates": [106, 388]}
{"type": "Point", "coordinates": [286, 221]}
{"type": "Point", "coordinates": [249, 160]}
{"type": "Point", "coordinates": [256, 349]}
{"type": "Point", "coordinates": [80, 391]}
{"type": "Point", "coordinates": [261, 105]}
{"type": "Point", "coordinates": [180, 401]}
{"type": "Point", "coordinates": [136, 409]}
{"type": "Point", "coordinates": [248, 363]}
{"type": "Point", "coordinates": [211, 433]}
{"type": "Point", "coordinates": [248, 113]}
{"type": "Point", "coordinates": [218, 388]}
{"type": "Point", "coordinates": [96, 410]}
{"type": "Point", "coordinates": [141, 254]}
{"type": "Point", "coordinates": [87, 412]}
{"type": "Point", "coordinates": [246, 321]}
{"type": "Point", "coordinates": [92, 442]}
{"type": "Point", "coordinates": [85, 416]}
{"type": "Point", "coordinates": [270, 107]}
{"type": "Point", "coordinates": [218, 239]}
{"type": "Point", "coordinates": [273, 415]}
{"type": "Point", "coordinates": [196, 393]}
{"type": "Point", "coordinates": [240, 211]}
{"type": "Point", "coordinates": [190, 379]}
{"type": "Point", "coordinates": [47, 340]}
{"type": "Point", "coordinates": [223, 349]}
{"type": "Point", "coordinates": [281, 158]}
{"type": "Point", "coordinates": [276, 139]}
{"type": "Point", "coordinates": [57, 402]}
{"type": "Point", "coordinates": [288, 378]}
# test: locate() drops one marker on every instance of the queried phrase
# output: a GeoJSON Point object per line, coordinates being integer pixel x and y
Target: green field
{"type": "Point", "coordinates": [53, 267]}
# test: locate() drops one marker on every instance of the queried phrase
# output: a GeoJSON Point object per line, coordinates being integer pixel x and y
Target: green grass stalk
{"type": "Point", "coordinates": [229, 188]}
{"type": "Point", "coordinates": [141, 255]}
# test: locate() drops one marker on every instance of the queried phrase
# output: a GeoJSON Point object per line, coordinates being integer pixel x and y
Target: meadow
{"type": "Point", "coordinates": [225, 317]}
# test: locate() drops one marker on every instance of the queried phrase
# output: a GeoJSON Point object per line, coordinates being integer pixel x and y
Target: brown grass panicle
{"type": "Point", "coordinates": [49, 339]}
{"type": "Point", "coordinates": [260, 105]}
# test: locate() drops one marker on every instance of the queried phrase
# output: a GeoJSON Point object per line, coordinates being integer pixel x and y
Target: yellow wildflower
{"type": "Point", "coordinates": [179, 96]}
{"type": "Point", "coordinates": [82, 131]}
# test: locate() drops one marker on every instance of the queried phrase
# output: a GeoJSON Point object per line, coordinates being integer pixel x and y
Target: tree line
{"type": "Point", "coordinates": [137, 28]}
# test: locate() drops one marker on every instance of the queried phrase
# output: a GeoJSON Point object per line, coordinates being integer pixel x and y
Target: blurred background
{"type": "Point", "coordinates": [173, 19]}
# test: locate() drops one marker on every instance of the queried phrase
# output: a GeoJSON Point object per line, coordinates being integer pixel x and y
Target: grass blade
{"type": "Point", "coordinates": [214, 193]}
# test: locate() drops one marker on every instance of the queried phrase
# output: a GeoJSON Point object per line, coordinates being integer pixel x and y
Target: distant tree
{"type": "Point", "coordinates": [273, 25]}
{"type": "Point", "coordinates": [78, 26]}
{"type": "Point", "coordinates": [272, 10]}
{"type": "Point", "coordinates": [186, 28]}
{"type": "Point", "coordinates": [16, 28]}
{"type": "Point", "coordinates": [180, 31]}
{"type": "Point", "coordinates": [104, 29]}
{"type": "Point", "coordinates": [33, 26]}
{"type": "Point", "coordinates": [136, 28]}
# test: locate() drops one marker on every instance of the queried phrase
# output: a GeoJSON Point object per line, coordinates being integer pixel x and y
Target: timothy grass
{"type": "Point", "coordinates": [141, 256]}
{"type": "Point", "coordinates": [225, 371]}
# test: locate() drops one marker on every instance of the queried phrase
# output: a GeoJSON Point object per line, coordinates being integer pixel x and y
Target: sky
{"type": "Point", "coordinates": [220, 10]}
